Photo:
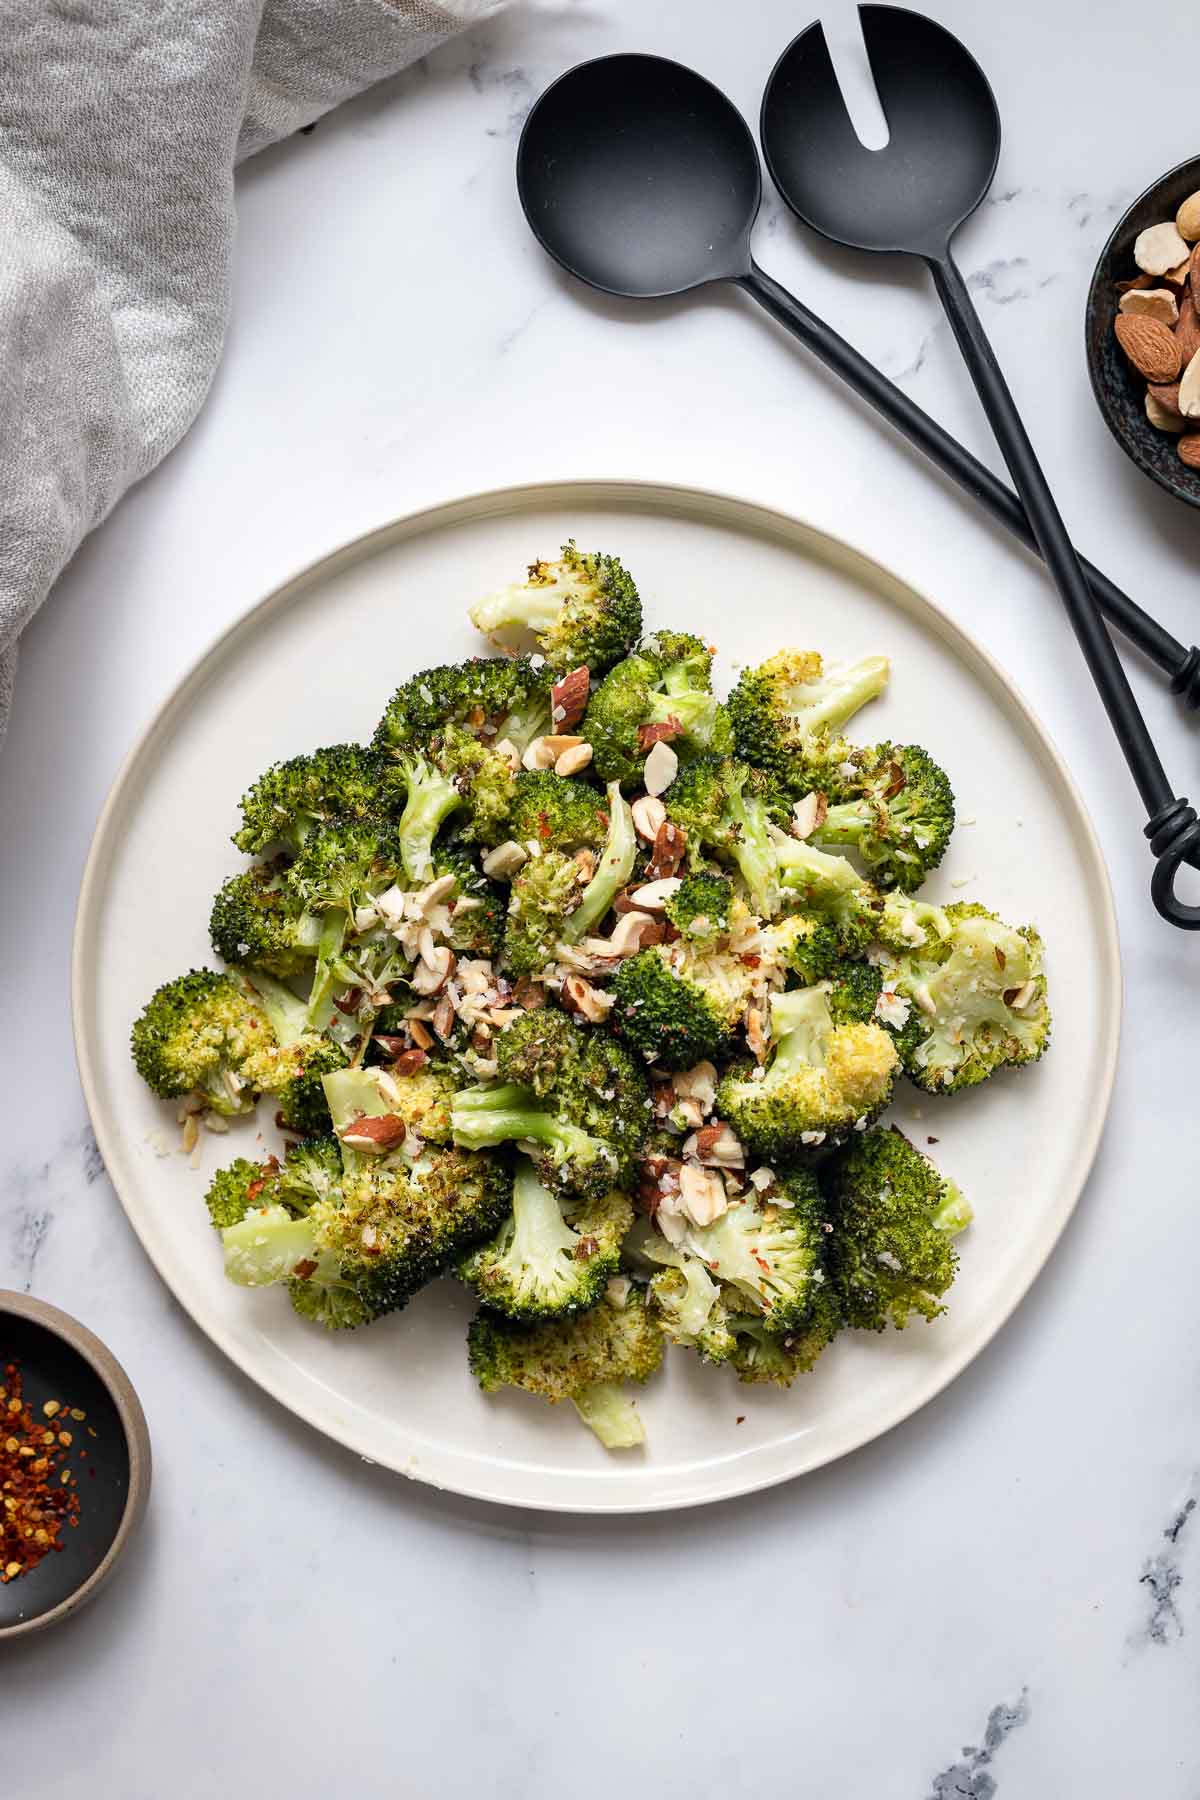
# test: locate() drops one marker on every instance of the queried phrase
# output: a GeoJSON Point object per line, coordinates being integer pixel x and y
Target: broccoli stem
{"type": "Point", "coordinates": [535, 607]}
{"type": "Point", "coordinates": [266, 1246]}
{"type": "Point", "coordinates": [753, 851]}
{"type": "Point", "coordinates": [541, 1241]}
{"type": "Point", "coordinates": [955, 1213]}
{"type": "Point", "coordinates": [431, 798]}
{"type": "Point", "coordinates": [800, 1023]}
{"type": "Point", "coordinates": [803, 865]}
{"type": "Point", "coordinates": [510, 1116]}
{"type": "Point", "coordinates": [288, 1016]}
{"type": "Point", "coordinates": [329, 947]}
{"type": "Point", "coordinates": [845, 693]}
{"type": "Point", "coordinates": [846, 822]}
{"type": "Point", "coordinates": [609, 1411]}
{"type": "Point", "coordinates": [612, 872]}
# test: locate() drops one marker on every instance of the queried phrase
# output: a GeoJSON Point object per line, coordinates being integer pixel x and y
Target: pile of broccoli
{"type": "Point", "coordinates": [587, 989]}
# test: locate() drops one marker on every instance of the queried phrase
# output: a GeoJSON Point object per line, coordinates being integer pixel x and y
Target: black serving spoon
{"type": "Point", "coordinates": [639, 177]}
{"type": "Point", "coordinates": [911, 197]}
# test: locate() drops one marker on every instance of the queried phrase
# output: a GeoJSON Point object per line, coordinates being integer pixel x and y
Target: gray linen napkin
{"type": "Point", "coordinates": [121, 122]}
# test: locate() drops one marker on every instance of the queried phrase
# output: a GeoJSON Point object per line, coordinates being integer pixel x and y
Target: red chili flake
{"type": "Point", "coordinates": [33, 1509]}
{"type": "Point", "coordinates": [304, 1269]}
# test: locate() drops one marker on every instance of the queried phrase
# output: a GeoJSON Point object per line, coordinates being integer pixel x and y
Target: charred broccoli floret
{"type": "Point", "coordinates": [978, 999]}
{"type": "Point", "coordinates": [454, 772]}
{"type": "Point", "coordinates": [258, 921]}
{"type": "Point", "coordinates": [761, 1355]}
{"type": "Point", "coordinates": [901, 817]}
{"type": "Point", "coordinates": [821, 1079]}
{"type": "Point", "coordinates": [587, 1360]}
{"type": "Point", "coordinates": [543, 893]}
{"type": "Point", "coordinates": [667, 681]}
{"type": "Point", "coordinates": [699, 909]}
{"type": "Point", "coordinates": [224, 1038]}
{"type": "Point", "coordinates": [294, 797]}
{"type": "Point", "coordinates": [308, 1173]}
{"type": "Point", "coordinates": [586, 1125]}
{"type": "Point", "coordinates": [727, 809]}
{"type": "Point", "coordinates": [496, 697]}
{"type": "Point", "coordinates": [583, 610]}
{"type": "Point", "coordinates": [890, 1253]}
{"type": "Point", "coordinates": [788, 712]}
{"type": "Point", "coordinates": [550, 1258]}
{"type": "Point", "coordinates": [556, 814]}
{"type": "Point", "coordinates": [681, 1006]}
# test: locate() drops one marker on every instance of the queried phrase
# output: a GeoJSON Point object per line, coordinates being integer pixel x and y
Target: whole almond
{"type": "Point", "coordinates": [1159, 248]}
{"type": "Point", "coordinates": [1194, 270]}
{"type": "Point", "coordinates": [1187, 219]}
{"type": "Point", "coordinates": [1163, 418]}
{"type": "Point", "coordinates": [1149, 346]}
{"type": "Point", "coordinates": [1187, 332]}
{"type": "Point", "coordinates": [1134, 282]}
{"type": "Point", "coordinates": [1189, 389]}
{"type": "Point", "coordinates": [1167, 396]}
{"type": "Point", "coordinates": [1189, 450]}
{"type": "Point", "coordinates": [1151, 303]}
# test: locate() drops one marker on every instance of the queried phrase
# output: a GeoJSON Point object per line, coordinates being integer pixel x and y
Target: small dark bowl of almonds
{"type": "Point", "coordinates": [1143, 332]}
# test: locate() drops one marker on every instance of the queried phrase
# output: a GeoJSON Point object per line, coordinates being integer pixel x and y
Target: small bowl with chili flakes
{"type": "Point", "coordinates": [1140, 307]}
{"type": "Point", "coordinates": [74, 1464]}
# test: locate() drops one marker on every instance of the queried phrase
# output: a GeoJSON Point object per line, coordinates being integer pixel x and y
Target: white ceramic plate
{"type": "Point", "coordinates": [315, 662]}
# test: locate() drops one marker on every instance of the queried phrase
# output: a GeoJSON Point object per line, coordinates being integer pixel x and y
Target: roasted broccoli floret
{"type": "Point", "coordinates": [556, 814]}
{"type": "Point", "coordinates": [829, 886]}
{"type": "Point", "coordinates": [583, 611]}
{"type": "Point", "coordinates": [257, 921]}
{"type": "Point", "coordinates": [475, 904]}
{"type": "Point", "coordinates": [586, 1123]}
{"type": "Point", "coordinates": [681, 1006]}
{"type": "Point", "coordinates": [542, 895]}
{"type": "Point", "coordinates": [293, 798]}
{"type": "Point", "coordinates": [788, 712]}
{"type": "Point", "coordinates": [224, 1038]}
{"type": "Point", "coordinates": [308, 1172]}
{"type": "Point", "coordinates": [586, 1360]}
{"type": "Point", "coordinates": [381, 1231]}
{"type": "Point", "coordinates": [728, 808]}
{"type": "Point", "coordinates": [343, 867]}
{"type": "Point", "coordinates": [667, 681]}
{"type": "Point", "coordinates": [550, 1258]}
{"type": "Point", "coordinates": [424, 1097]}
{"type": "Point", "coordinates": [821, 1079]}
{"type": "Point", "coordinates": [978, 999]}
{"type": "Point", "coordinates": [759, 1354]}
{"type": "Point", "coordinates": [904, 924]}
{"type": "Point", "coordinates": [699, 909]}
{"type": "Point", "coordinates": [805, 944]}
{"type": "Point", "coordinates": [890, 1253]}
{"type": "Point", "coordinates": [496, 697]}
{"type": "Point", "coordinates": [899, 821]}
{"type": "Point", "coordinates": [454, 772]}
{"type": "Point", "coordinates": [235, 1189]}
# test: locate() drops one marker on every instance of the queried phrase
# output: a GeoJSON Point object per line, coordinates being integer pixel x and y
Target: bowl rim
{"type": "Point", "coordinates": [1128, 440]}
{"type": "Point", "coordinates": [121, 1391]}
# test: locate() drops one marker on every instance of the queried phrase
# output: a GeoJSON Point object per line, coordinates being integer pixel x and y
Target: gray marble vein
{"type": "Point", "coordinates": [971, 1778]}
{"type": "Point", "coordinates": [1162, 1578]}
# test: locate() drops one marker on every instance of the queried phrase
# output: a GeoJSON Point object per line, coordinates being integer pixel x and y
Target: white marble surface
{"type": "Point", "coordinates": [1015, 1569]}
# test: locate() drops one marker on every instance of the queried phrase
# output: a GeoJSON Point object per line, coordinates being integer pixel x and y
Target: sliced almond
{"type": "Point", "coordinates": [703, 1194]}
{"type": "Point", "coordinates": [429, 977]}
{"type": "Point", "coordinates": [670, 844]}
{"type": "Point", "coordinates": [419, 1032]}
{"type": "Point", "coordinates": [554, 744]}
{"type": "Point", "coordinates": [662, 764]}
{"type": "Point", "coordinates": [698, 1083]}
{"type": "Point", "coordinates": [505, 860]}
{"type": "Point", "coordinates": [632, 932]}
{"type": "Point", "coordinates": [1150, 347]}
{"type": "Point", "coordinates": [1163, 418]}
{"type": "Point", "coordinates": [573, 760]}
{"type": "Point", "coordinates": [716, 1146]}
{"type": "Point", "coordinates": [652, 896]}
{"type": "Point", "coordinates": [648, 814]}
{"type": "Point", "coordinates": [1159, 248]}
{"type": "Point", "coordinates": [1189, 389]}
{"type": "Point", "coordinates": [508, 750]}
{"type": "Point", "coordinates": [443, 1017]}
{"type": "Point", "coordinates": [1154, 303]}
{"type": "Point", "coordinates": [537, 756]}
{"type": "Point", "coordinates": [808, 813]}
{"type": "Point", "coordinates": [579, 996]}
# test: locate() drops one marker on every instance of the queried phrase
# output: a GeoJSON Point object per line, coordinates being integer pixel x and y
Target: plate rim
{"type": "Point", "coordinates": [712, 505]}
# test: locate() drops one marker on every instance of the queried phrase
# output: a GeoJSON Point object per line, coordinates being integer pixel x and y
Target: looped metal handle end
{"type": "Point", "coordinates": [1174, 834]}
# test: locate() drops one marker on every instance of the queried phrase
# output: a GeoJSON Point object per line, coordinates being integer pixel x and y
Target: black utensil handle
{"type": "Point", "coordinates": [1176, 659]}
{"type": "Point", "coordinates": [1110, 678]}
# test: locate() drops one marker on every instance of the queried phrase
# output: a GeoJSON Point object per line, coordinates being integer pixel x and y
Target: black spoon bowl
{"type": "Point", "coordinates": [911, 197]}
{"type": "Point", "coordinates": [640, 178]}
